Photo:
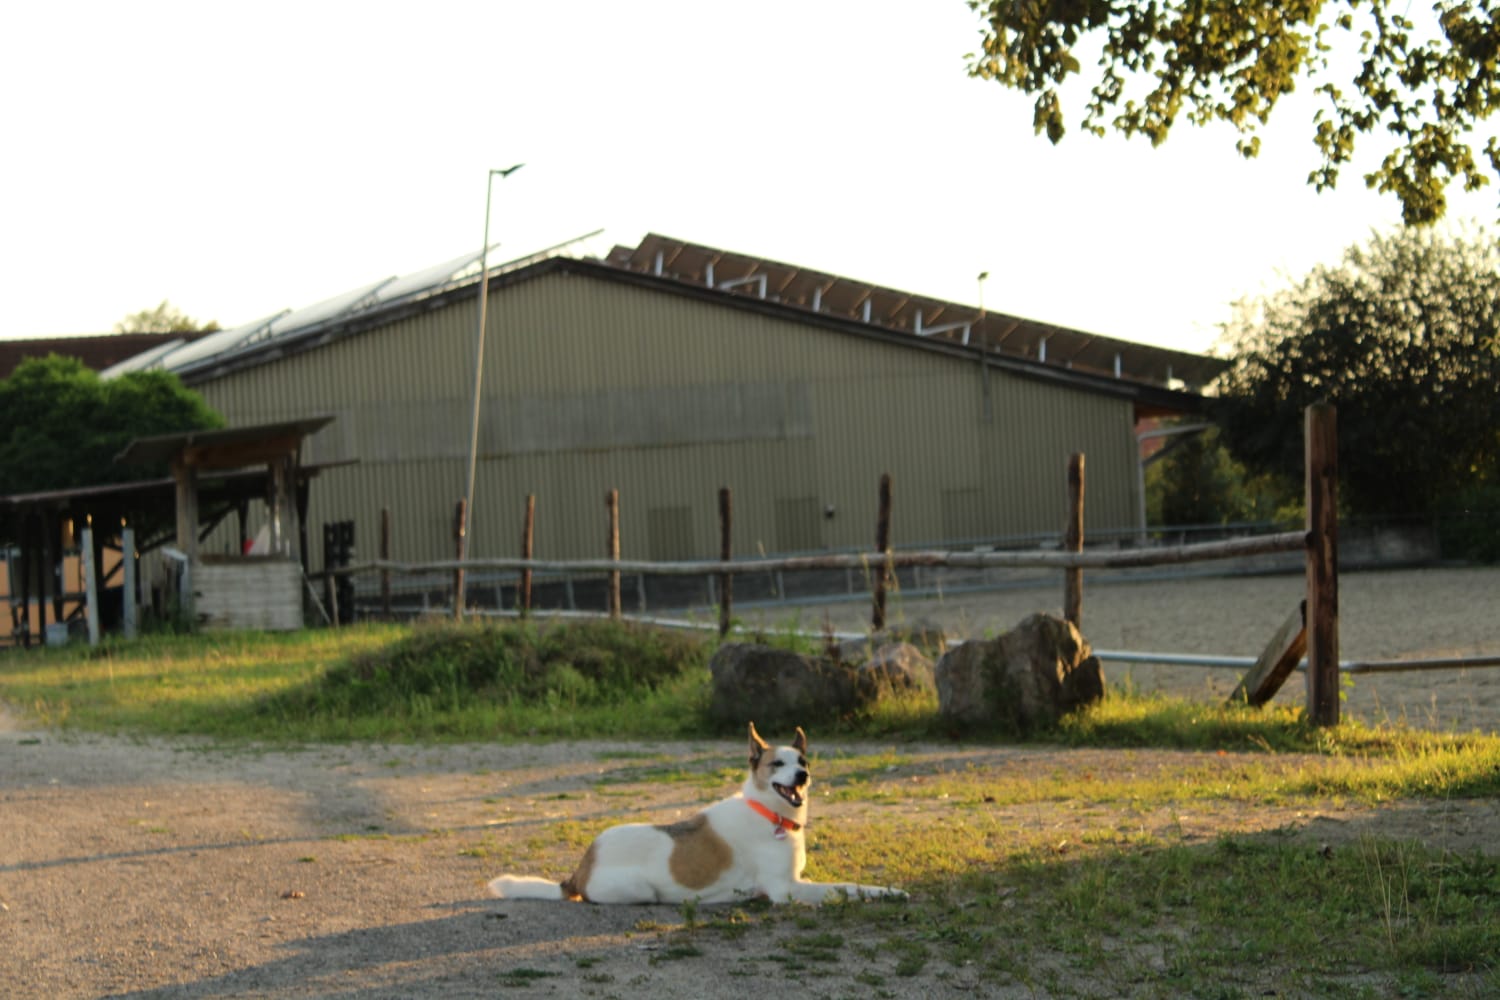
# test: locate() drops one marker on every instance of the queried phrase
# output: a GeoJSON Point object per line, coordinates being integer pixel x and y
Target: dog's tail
{"type": "Point", "coordinates": [526, 887]}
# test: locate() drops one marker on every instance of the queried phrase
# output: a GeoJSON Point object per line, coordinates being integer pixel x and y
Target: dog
{"type": "Point", "coordinates": [749, 845]}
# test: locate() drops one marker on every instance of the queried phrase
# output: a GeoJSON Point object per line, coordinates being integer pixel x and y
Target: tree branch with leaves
{"type": "Point", "coordinates": [1421, 87]}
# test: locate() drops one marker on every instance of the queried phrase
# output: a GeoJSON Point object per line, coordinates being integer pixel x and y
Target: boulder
{"type": "Point", "coordinates": [1023, 680]}
{"type": "Point", "coordinates": [896, 666]}
{"type": "Point", "coordinates": [929, 639]}
{"type": "Point", "coordinates": [778, 687]}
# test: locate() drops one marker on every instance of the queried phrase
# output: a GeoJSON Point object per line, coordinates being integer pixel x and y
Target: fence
{"type": "Point", "coordinates": [1311, 629]}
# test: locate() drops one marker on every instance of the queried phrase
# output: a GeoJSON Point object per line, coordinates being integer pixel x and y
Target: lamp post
{"type": "Point", "coordinates": [484, 294]}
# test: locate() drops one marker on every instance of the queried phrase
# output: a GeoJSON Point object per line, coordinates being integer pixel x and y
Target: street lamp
{"type": "Point", "coordinates": [484, 294]}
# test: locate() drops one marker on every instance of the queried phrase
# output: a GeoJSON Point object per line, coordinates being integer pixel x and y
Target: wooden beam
{"type": "Point", "coordinates": [1073, 543]}
{"type": "Point", "coordinates": [1277, 661]}
{"type": "Point", "coordinates": [186, 477]}
{"type": "Point", "coordinates": [883, 547]}
{"type": "Point", "coordinates": [1321, 439]}
{"type": "Point", "coordinates": [242, 454]}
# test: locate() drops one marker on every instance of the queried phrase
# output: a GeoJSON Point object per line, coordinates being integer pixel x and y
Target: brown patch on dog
{"type": "Point", "coordinates": [699, 855]}
{"type": "Point", "coordinates": [575, 886]}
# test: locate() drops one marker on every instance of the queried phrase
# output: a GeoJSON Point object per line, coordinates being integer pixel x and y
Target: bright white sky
{"type": "Point", "coordinates": [241, 159]}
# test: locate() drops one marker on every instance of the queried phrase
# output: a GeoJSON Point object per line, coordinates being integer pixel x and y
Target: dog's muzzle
{"type": "Point", "coordinates": [793, 793]}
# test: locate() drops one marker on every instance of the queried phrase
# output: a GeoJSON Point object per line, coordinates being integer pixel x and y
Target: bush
{"type": "Point", "coordinates": [1469, 524]}
{"type": "Point", "coordinates": [578, 663]}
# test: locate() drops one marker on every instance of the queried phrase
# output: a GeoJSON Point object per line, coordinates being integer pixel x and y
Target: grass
{"type": "Point", "coordinates": [1062, 880]}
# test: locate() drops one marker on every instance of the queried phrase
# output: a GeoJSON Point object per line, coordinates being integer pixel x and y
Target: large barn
{"type": "Point", "coordinates": [669, 370]}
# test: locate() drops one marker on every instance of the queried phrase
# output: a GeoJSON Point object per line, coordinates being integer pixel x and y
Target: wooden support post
{"type": "Point", "coordinates": [1277, 661]}
{"type": "Point", "coordinates": [385, 556]}
{"type": "Point", "coordinates": [52, 561]}
{"type": "Point", "coordinates": [726, 553]}
{"type": "Point", "coordinates": [90, 584]}
{"type": "Point", "coordinates": [186, 479]}
{"type": "Point", "coordinates": [128, 584]}
{"type": "Point", "coordinates": [331, 591]}
{"type": "Point", "coordinates": [28, 567]}
{"type": "Point", "coordinates": [883, 547]}
{"type": "Point", "coordinates": [528, 535]}
{"type": "Point", "coordinates": [1321, 438]}
{"type": "Point", "coordinates": [330, 582]}
{"type": "Point", "coordinates": [1073, 542]}
{"type": "Point", "coordinates": [460, 528]}
{"type": "Point", "coordinates": [612, 544]}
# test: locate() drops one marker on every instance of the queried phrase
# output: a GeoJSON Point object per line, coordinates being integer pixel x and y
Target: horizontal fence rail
{"type": "Point", "coordinates": [1345, 666]}
{"type": "Point", "coordinates": [1288, 541]}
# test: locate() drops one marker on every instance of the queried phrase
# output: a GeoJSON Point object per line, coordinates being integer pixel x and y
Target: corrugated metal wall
{"type": "Point", "coordinates": [592, 385]}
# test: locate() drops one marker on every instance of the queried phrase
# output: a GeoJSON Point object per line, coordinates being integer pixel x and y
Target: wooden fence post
{"type": "Point", "coordinates": [1321, 439]}
{"type": "Point", "coordinates": [612, 503]}
{"type": "Point", "coordinates": [460, 526]}
{"type": "Point", "coordinates": [726, 552]}
{"type": "Point", "coordinates": [528, 529]}
{"type": "Point", "coordinates": [882, 546]}
{"type": "Point", "coordinates": [1073, 542]}
{"type": "Point", "coordinates": [385, 556]}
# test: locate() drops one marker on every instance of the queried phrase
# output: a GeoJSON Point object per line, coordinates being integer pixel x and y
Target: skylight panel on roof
{"type": "Point", "coordinates": [218, 343]}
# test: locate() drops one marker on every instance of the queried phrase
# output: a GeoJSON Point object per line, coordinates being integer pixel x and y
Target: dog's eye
{"type": "Point", "coordinates": [775, 764]}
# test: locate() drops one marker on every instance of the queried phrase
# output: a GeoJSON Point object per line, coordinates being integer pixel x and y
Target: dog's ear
{"type": "Point", "coordinates": [758, 746]}
{"type": "Point", "coordinates": [800, 743]}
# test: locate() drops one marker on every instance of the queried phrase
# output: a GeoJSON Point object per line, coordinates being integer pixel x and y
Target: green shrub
{"type": "Point", "coordinates": [450, 665]}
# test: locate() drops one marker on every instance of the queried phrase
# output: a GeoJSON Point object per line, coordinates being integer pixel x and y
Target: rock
{"type": "Point", "coordinates": [1025, 679]}
{"type": "Point", "coordinates": [897, 666]}
{"type": "Point", "coordinates": [929, 641]}
{"type": "Point", "coordinates": [778, 687]}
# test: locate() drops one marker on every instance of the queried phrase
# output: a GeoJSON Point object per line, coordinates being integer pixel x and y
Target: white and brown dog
{"type": "Point", "coordinates": [748, 845]}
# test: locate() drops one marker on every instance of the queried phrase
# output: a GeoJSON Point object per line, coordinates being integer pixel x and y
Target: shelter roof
{"type": "Point", "coordinates": [227, 448]}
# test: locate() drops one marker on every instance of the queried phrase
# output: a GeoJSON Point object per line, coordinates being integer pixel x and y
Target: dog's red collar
{"type": "Point", "coordinates": [776, 818]}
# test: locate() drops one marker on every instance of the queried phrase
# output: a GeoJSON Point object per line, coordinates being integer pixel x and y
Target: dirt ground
{"type": "Point", "coordinates": [183, 870]}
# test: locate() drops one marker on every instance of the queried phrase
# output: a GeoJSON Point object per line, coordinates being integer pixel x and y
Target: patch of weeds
{"type": "Point", "coordinates": [676, 951]}
{"type": "Point", "coordinates": [911, 957]}
{"type": "Point", "coordinates": [689, 911]}
{"type": "Point", "coordinates": [523, 977]}
{"type": "Point", "coordinates": [732, 925]}
{"type": "Point", "coordinates": [648, 926]}
{"type": "Point", "coordinates": [816, 947]}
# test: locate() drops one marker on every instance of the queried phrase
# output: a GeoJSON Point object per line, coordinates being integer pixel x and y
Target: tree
{"type": "Point", "coordinates": [1196, 481]}
{"type": "Point", "coordinates": [1425, 86]}
{"type": "Point", "coordinates": [1404, 338]}
{"type": "Point", "coordinates": [63, 425]}
{"type": "Point", "coordinates": [165, 318]}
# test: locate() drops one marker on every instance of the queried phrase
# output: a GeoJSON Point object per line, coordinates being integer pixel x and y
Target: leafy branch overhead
{"type": "Point", "coordinates": [1421, 84]}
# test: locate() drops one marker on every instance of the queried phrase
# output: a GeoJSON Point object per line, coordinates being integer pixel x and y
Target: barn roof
{"type": "Point", "coordinates": [1158, 380]}
{"type": "Point", "coordinates": [99, 352]}
{"type": "Point", "coordinates": [919, 315]}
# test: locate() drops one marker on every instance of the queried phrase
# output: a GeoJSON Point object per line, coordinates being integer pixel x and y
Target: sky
{"type": "Point", "coordinates": [238, 160]}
